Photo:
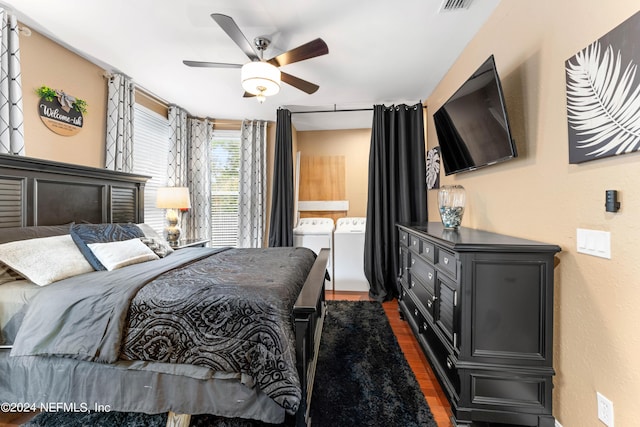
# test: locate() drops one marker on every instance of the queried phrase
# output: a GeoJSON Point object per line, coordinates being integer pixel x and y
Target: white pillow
{"type": "Point", "coordinates": [114, 255]}
{"type": "Point", "coordinates": [45, 260]}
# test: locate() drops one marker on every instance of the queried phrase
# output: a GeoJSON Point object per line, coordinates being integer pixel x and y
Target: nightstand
{"type": "Point", "coordinates": [188, 243]}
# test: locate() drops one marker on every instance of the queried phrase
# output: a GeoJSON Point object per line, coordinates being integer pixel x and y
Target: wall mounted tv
{"type": "Point", "coordinates": [472, 126]}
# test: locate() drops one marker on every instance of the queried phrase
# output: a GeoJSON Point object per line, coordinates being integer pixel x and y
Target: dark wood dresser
{"type": "Point", "coordinates": [481, 306]}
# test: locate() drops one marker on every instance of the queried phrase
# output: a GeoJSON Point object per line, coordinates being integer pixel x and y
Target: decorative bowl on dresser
{"type": "Point", "coordinates": [481, 306]}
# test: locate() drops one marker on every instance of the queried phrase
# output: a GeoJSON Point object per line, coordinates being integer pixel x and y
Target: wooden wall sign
{"type": "Point", "coordinates": [60, 112]}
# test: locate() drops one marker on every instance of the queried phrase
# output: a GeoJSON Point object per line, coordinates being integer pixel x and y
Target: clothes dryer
{"type": "Point", "coordinates": [315, 234]}
{"type": "Point", "coordinates": [348, 242]}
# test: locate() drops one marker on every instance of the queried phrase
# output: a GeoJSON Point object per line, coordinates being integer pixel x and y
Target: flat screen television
{"type": "Point", "coordinates": [472, 126]}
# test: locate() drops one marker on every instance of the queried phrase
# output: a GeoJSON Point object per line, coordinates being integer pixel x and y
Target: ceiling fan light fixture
{"type": "Point", "coordinates": [260, 78]}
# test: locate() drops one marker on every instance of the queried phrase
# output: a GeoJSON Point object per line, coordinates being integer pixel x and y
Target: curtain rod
{"type": "Point", "coordinates": [335, 110]}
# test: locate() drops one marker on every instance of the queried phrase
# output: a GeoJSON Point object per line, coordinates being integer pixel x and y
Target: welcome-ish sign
{"type": "Point", "coordinates": [60, 112]}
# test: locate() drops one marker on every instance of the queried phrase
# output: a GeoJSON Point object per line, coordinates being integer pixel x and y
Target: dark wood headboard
{"type": "Point", "coordinates": [42, 192]}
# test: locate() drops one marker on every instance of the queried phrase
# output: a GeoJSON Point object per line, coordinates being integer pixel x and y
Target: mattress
{"type": "Point", "coordinates": [197, 317]}
{"type": "Point", "coordinates": [146, 387]}
{"type": "Point", "coordinates": [13, 298]}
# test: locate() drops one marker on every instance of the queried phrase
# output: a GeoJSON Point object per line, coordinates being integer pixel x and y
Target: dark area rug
{"type": "Point", "coordinates": [362, 379]}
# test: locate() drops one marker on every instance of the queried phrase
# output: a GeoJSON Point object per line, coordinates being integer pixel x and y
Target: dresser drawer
{"type": "Point", "coordinates": [422, 247]}
{"type": "Point", "coordinates": [404, 238]}
{"type": "Point", "coordinates": [447, 262]}
{"type": "Point", "coordinates": [444, 361]}
{"type": "Point", "coordinates": [426, 299]}
{"type": "Point", "coordinates": [403, 268]}
{"type": "Point", "coordinates": [427, 250]}
{"type": "Point", "coordinates": [414, 243]}
{"type": "Point", "coordinates": [412, 310]}
{"type": "Point", "coordinates": [424, 272]}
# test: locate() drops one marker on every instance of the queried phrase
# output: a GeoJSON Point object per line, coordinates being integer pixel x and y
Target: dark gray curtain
{"type": "Point", "coordinates": [397, 191]}
{"type": "Point", "coordinates": [281, 222]}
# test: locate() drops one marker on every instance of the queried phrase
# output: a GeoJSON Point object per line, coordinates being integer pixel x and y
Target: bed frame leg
{"type": "Point", "coordinates": [178, 420]}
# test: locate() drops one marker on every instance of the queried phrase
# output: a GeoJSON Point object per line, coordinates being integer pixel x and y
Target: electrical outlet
{"type": "Point", "coordinates": [605, 410]}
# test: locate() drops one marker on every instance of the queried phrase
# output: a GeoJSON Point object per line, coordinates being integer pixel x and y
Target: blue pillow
{"type": "Point", "coordinates": [84, 234]}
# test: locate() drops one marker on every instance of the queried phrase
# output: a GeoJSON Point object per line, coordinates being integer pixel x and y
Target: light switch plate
{"type": "Point", "coordinates": [594, 242]}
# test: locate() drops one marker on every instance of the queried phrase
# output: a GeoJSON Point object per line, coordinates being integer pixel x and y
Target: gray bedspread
{"type": "Point", "coordinates": [228, 310]}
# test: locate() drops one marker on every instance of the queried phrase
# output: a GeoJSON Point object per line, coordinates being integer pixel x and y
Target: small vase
{"type": "Point", "coordinates": [451, 201]}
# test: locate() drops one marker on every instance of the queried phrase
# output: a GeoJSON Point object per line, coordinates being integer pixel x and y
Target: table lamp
{"type": "Point", "coordinates": [172, 199]}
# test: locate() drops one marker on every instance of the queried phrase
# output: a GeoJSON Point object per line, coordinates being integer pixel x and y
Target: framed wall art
{"type": "Point", "coordinates": [433, 168]}
{"type": "Point", "coordinates": [603, 95]}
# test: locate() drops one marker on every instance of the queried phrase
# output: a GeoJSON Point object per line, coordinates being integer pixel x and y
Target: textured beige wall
{"type": "Point", "coordinates": [353, 144]}
{"type": "Point", "coordinates": [541, 196]}
{"type": "Point", "coordinates": [44, 62]}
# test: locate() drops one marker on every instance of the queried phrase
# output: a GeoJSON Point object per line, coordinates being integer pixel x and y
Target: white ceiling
{"type": "Point", "coordinates": [380, 51]}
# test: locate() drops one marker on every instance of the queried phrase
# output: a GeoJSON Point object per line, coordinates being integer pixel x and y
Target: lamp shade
{"type": "Point", "coordinates": [173, 198]}
{"type": "Point", "coordinates": [260, 78]}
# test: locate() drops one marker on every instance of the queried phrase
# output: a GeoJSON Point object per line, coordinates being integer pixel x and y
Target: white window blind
{"type": "Point", "coordinates": [150, 157]}
{"type": "Point", "coordinates": [225, 185]}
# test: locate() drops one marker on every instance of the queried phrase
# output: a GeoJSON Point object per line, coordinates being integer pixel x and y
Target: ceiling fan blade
{"type": "Point", "coordinates": [204, 64]}
{"type": "Point", "coordinates": [298, 83]}
{"type": "Point", "coordinates": [309, 50]}
{"type": "Point", "coordinates": [230, 27]}
{"type": "Point", "coordinates": [248, 95]}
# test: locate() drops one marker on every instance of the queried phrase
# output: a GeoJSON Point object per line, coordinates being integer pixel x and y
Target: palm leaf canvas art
{"type": "Point", "coordinates": [603, 95]}
{"type": "Point", "coordinates": [433, 168]}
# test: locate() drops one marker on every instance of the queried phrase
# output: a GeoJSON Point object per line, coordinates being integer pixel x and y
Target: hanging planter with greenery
{"type": "Point", "coordinates": [66, 101]}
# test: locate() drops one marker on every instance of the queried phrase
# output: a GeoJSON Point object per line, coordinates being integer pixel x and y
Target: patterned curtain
{"type": "Point", "coordinates": [11, 117]}
{"type": "Point", "coordinates": [177, 174]}
{"type": "Point", "coordinates": [253, 142]}
{"type": "Point", "coordinates": [189, 166]}
{"type": "Point", "coordinates": [200, 135]}
{"type": "Point", "coordinates": [120, 104]}
{"type": "Point", "coordinates": [178, 147]}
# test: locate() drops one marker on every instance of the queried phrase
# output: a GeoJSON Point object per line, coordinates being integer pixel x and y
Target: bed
{"type": "Point", "coordinates": [230, 332]}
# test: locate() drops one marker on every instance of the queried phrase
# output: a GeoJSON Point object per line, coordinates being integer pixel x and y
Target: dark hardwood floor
{"type": "Point", "coordinates": [412, 352]}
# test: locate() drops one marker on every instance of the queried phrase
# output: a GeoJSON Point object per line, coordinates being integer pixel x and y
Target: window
{"type": "Point", "coordinates": [151, 153]}
{"type": "Point", "coordinates": [225, 185]}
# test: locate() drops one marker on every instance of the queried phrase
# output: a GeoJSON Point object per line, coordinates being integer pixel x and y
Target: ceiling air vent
{"type": "Point", "coordinates": [452, 5]}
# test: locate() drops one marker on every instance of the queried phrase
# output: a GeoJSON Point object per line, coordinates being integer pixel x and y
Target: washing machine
{"type": "Point", "coordinates": [348, 254]}
{"type": "Point", "coordinates": [315, 234]}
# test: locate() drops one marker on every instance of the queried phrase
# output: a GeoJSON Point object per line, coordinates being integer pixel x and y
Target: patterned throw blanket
{"type": "Point", "coordinates": [230, 311]}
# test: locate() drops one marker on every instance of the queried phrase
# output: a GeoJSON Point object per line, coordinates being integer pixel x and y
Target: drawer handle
{"type": "Point", "coordinates": [427, 250]}
{"type": "Point", "coordinates": [446, 260]}
{"type": "Point", "coordinates": [434, 298]}
{"type": "Point", "coordinates": [413, 261]}
{"type": "Point", "coordinates": [429, 303]}
{"type": "Point", "coordinates": [415, 242]}
{"type": "Point", "coordinates": [425, 326]}
{"type": "Point", "coordinates": [404, 294]}
{"type": "Point", "coordinates": [413, 283]}
{"type": "Point", "coordinates": [449, 363]}
{"type": "Point", "coordinates": [430, 276]}
{"type": "Point", "coordinates": [415, 312]}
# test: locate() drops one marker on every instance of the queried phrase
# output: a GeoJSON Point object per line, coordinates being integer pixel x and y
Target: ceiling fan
{"type": "Point", "coordinates": [262, 77]}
